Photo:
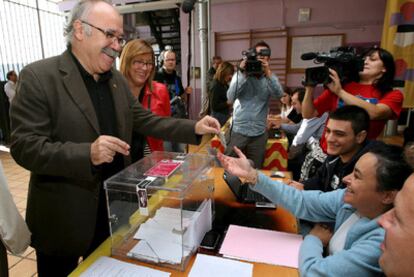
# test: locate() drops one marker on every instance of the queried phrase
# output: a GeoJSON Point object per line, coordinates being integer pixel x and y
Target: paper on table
{"type": "Point", "coordinates": [163, 239]}
{"type": "Point", "coordinates": [207, 266]}
{"type": "Point", "coordinates": [200, 225]}
{"type": "Point", "coordinates": [159, 251]}
{"type": "Point", "coordinates": [109, 267]}
{"type": "Point", "coordinates": [265, 246]}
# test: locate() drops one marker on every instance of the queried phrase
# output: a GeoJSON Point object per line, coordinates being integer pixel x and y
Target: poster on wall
{"type": "Point", "coordinates": [398, 38]}
{"type": "Point", "coordinates": [299, 45]}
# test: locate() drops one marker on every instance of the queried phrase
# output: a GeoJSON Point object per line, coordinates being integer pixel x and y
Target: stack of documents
{"type": "Point", "coordinates": [262, 246]}
{"type": "Point", "coordinates": [171, 234]}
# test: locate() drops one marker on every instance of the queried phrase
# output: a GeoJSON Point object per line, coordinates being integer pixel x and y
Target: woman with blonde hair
{"type": "Point", "coordinates": [137, 65]}
{"type": "Point", "coordinates": [220, 108]}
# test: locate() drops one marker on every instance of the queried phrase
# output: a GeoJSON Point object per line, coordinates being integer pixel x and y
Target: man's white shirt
{"type": "Point", "coordinates": [10, 89]}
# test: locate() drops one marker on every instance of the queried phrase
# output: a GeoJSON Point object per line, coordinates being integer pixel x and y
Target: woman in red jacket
{"type": "Point", "coordinates": [137, 65]}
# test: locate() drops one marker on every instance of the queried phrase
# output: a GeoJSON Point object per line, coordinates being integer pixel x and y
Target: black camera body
{"type": "Point", "coordinates": [344, 60]}
{"type": "Point", "coordinates": [253, 65]}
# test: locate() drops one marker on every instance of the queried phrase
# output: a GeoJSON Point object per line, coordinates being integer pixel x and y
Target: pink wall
{"type": "Point", "coordinates": [360, 20]}
{"type": "Point", "coordinates": [357, 18]}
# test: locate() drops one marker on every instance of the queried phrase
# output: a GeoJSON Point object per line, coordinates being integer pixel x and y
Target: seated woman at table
{"type": "Point", "coordinates": [354, 246]}
{"type": "Point", "coordinates": [287, 112]}
{"type": "Point", "coordinates": [137, 65]}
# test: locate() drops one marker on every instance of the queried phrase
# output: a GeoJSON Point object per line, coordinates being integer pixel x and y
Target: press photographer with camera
{"type": "Point", "coordinates": [250, 90]}
{"type": "Point", "coordinates": [372, 90]}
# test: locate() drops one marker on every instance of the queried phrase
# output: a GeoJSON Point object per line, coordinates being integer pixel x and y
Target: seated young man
{"type": "Point", "coordinates": [354, 245]}
{"type": "Point", "coordinates": [346, 136]}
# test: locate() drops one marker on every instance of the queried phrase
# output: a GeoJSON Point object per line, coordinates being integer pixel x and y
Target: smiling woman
{"type": "Point", "coordinates": [137, 65]}
{"type": "Point", "coordinates": [354, 244]}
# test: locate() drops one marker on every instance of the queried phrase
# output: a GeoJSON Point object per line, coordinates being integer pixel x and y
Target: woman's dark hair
{"type": "Point", "coordinates": [392, 169]}
{"type": "Point", "coordinates": [224, 69]}
{"type": "Point", "coordinates": [385, 83]}
{"type": "Point", "coordinates": [288, 91]}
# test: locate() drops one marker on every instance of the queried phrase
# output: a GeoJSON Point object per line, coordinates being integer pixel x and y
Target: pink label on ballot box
{"type": "Point", "coordinates": [163, 168]}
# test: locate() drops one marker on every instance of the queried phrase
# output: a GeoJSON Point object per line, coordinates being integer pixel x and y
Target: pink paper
{"type": "Point", "coordinates": [163, 168]}
{"type": "Point", "coordinates": [263, 246]}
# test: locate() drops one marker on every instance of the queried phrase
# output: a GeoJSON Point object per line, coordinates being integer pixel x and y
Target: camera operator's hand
{"type": "Point", "coordinates": [334, 86]}
{"type": "Point", "coordinates": [266, 67]}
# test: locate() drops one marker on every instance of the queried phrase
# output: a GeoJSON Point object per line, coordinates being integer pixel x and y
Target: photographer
{"type": "Point", "coordinates": [373, 92]}
{"type": "Point", "coordinates": [250, 90]}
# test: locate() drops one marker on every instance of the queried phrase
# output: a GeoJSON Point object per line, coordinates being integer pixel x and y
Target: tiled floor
{"type": "Point", "coordinates": [23, 265]}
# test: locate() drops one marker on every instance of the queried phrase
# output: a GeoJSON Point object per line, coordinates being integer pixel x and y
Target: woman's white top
{"type": "Point", "coordinates": [338, 239]}
{"type": "Point", "coordinates": [285, 112]}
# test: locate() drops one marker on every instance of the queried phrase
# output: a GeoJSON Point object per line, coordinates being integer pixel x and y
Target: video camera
{"type": "Point", "coordinates": [344, 60]}
{"type": "Point", "coordinates": [253, 65]}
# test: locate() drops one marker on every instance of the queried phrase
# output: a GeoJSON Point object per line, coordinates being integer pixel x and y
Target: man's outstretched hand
{"type": "Point", "coordinates": [239, 167]}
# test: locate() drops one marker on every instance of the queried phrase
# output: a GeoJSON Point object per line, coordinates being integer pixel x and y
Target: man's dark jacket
{"type": "Point", "coordinates": [53, 126]}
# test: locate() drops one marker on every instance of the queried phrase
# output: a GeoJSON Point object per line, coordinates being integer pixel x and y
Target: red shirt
{"type": "Point", "coordinates": [160, 105]}
{"type": "Point", "coordinates": [329, 101]}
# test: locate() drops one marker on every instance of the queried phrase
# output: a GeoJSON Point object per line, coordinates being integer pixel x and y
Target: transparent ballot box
{"type": "Point", "coordinates": [161, 207]}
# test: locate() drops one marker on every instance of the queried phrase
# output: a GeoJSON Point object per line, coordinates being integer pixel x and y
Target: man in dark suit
{"type": "Point", "coordinates": [72, 120]}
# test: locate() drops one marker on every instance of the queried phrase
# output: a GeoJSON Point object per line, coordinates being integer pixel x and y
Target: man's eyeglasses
{"type": "Point", "coordinates": [109, 34]}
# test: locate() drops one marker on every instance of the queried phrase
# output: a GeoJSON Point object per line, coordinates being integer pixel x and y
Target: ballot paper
{"type": "Point", "coordinates": [168, 238]}
{"type": "Point", "coordinates": [213, 152]}
{"type": "Point", "coordinates": [222, 139]}
{"type": "Point", "coordinates": [207, 266]}
{"type": "Point", "coordinates": [159, 251]}
{"type": "Point", "coordinates": [110, 267]}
